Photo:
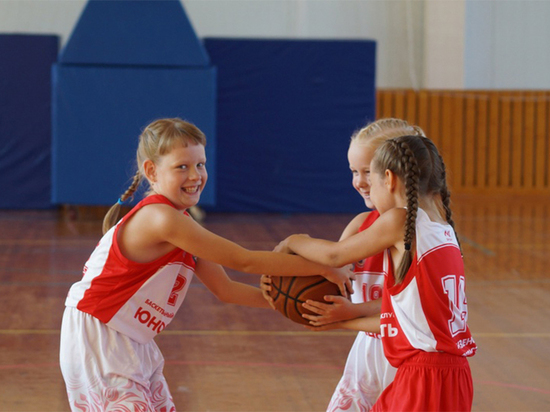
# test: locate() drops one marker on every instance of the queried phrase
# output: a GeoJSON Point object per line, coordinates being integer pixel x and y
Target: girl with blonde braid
{"type": "Point", "coordinates": [423, 319]}
{"type": "Point", "coordinates": [139, 273]}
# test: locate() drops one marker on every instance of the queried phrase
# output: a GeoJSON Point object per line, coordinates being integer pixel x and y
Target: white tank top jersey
{"type": "Point", "coordinates": [368, 284]}
{"type": "Point", "coordinates": [428, 310]}
{"type": "Point", "coordinates": [136, 299]}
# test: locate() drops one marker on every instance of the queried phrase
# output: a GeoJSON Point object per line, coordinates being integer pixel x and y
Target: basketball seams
{"type": "Point", "coordinates": [297, 300]}
{"type": "Point", "coordinates": [288, 293]}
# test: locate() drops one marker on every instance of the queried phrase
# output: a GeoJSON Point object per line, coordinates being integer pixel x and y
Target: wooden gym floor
{"type": "Point", "coordinates": [228, 358]}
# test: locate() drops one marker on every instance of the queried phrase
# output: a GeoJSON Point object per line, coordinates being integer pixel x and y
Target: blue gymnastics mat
{"type": "Point", "coordinates": [25, 124]}
{"type": "Point", "coordinates": [99, 113]}
{"type": "Point", "coordinates": [130, 32]}
{"type": "Point", "coordinates": [286, 111]}
{"type": "Point", "coordinates": [126, 64]}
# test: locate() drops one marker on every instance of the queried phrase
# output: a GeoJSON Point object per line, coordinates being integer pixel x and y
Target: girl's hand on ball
{"type": "Point", "coordinates": [342, 277]}
{"type": "Point", "coordinates": [265, 286]}
{"type": "Point", "coordinates": [337, 309]}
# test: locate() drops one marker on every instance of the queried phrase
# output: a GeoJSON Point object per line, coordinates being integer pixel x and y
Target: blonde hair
{"type": "Point", "coordinates": [377, 132]}
{"type": "Point", "coordinates": [156, 140]}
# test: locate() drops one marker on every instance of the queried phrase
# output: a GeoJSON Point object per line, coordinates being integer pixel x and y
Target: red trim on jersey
{"type": "Point", "coordinates": [372, 263]}
{"type": "Point", "coordinates": [121, 278]}
{"type": "Point", "coordinates": [430, 304]}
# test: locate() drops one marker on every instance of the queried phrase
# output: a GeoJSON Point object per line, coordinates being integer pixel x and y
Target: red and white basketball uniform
{"type": "Point", "coordinates": [424, 326]}
{"type": "Point", "coordinates": [367, 372]}
{"type": "Point", "coordinates": [108, 357]}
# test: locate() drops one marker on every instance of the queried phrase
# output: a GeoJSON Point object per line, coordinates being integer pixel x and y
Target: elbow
{"type": "Point", "coordinates": [224, 299]}
{"type": "Point", "coordinates": [335, 260]}
{"type": "Point", "coordinates": [246, 264]}
{"type": "Point", "coordinates": [222, 296]}
{"type": "Point", "coordinates": [242, 260]}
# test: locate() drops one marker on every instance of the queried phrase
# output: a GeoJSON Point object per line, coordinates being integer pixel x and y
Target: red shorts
{"type": "Point", "coordinates": [429, 381]}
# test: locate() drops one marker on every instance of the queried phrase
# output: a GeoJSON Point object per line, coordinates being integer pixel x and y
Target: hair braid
{"type": "Point", "coordinates": [417, 162]}
{"type": "Point", "coordinates": [446, 199]}
{"type": "Point", "coordinates": [411, 178]}
{"type": "Point", "coordinates": [112, 215]}
{"type": "Point", "coordinates": [418, 131]}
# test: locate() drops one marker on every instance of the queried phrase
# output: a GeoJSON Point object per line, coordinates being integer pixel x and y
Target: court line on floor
{"type": "Point", "coordinates": [195, 332]}
{"type": "Point", "coordinates": [476, 245]}
{"type": "Point", "coordinates": [49, 242]}
{"type": "Point", "coordinates": [512, 386]}
{"type": "Point", "coordinates": [273, 365]}
{"type": "Point", "coordinates": [253, 364]}
{"type": "Point", "coordinates": [271, 333]}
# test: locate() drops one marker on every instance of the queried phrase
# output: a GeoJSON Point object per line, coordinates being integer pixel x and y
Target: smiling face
{"type": "Point", "coordinates": [180, 175]}
{"type": "Point", "coordinates": [359, 157]}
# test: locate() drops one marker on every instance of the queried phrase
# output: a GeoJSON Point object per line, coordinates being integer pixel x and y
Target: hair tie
{"type": "Point", "coordinates": [407, 246]}
{"type": "Point", "coordinates": [120, 201]}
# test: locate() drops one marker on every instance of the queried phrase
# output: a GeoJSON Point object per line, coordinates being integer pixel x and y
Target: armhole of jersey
{"type": "Point", "coordinates": [386, 267]}
{"type": "Point", "coordinates": [150, 200]}
{"type": "Point", "coordinates": [369, 220]}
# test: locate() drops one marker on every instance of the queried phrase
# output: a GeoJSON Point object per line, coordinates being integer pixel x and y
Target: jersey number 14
{"type": "Point", "coordinates": [454, 288]}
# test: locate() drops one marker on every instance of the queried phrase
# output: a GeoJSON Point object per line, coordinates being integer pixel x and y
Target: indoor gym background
{"type": "Point", "coordinates": [307, 92]}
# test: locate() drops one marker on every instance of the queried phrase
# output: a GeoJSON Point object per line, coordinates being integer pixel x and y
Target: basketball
{"type": "Point", "coordinates": [289, 292]}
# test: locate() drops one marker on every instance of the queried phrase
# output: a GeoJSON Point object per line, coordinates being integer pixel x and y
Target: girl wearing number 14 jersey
{"type": "Point", "coordinates": [423, 319]}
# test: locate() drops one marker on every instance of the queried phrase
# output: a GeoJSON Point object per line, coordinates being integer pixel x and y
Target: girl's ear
{"type": "Point", "coordinates": [390, 180]}
{"type": "Point", "coordinates": [149, 169]}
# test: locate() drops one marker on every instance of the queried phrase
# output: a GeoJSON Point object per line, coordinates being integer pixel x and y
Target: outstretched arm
{"type": "Point", "coordinates": [166, 225]}
{"type": "Point", "coordinates": [214, 277]}
{"type": "Point", "coordinates": [339, 309]}
{"type": "Point", "coordinates": [365, 324]}
{"type": "Point", "coordinates": [385, 232]}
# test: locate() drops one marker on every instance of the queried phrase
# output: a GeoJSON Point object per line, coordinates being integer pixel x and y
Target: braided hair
{"type": "Point", "coordinates": [156, 140]}
{"type": "Point", "coordinates": [438, 182]}
{"type": "Point", "coordinates": [417, 162]}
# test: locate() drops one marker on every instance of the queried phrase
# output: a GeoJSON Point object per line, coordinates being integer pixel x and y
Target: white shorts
{"type": "Point", "coordinates": [105, 370]}
{"type": "Point", "coordinates": [366, 375]}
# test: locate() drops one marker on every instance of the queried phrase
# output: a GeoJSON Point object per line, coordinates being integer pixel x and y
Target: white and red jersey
{"type": "Point", "coordinates": [367, 372]}
{"type": "Point", "coordinates": [136, 299]}
{"type": "Point", "coordinates": [369, 273]}
{"type": "Point", "coordinates": [428, 310]}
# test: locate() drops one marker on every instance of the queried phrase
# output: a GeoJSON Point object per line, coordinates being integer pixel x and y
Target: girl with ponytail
{"type": "Point", "coordinates": [423, 316]}
{"type": "Point", "coordinates": [139, 273]}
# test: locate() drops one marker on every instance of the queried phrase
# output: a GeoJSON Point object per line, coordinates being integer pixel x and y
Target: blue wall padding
{"type": "Point", "coordinates": [25, 125]}
{"type": "Point", "coordinates": [139, 32]}
{"type": "Point", "coordinates": [98, 114]}
{"type": "Point", "coordinates": [126, 64]}
{"type": "Point", "coordinates": [286, 111]}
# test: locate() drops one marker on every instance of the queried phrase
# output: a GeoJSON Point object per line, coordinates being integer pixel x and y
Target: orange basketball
{"type": "Point", "coordinates": [289, 292]}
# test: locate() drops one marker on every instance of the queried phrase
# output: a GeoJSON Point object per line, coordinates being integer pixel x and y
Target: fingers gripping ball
{"type": "Point", "coordinates": [289, 292]}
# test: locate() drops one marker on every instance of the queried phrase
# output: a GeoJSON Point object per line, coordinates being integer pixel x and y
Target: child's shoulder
{"type": "Point", "coordinates": [359, 219]}
{"type": "Point", "coordinates": [156, 222]}
{"type": "Point", "coordinates": [156, 214]}
{"type": "Point", "coordinates": [358, 223]}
